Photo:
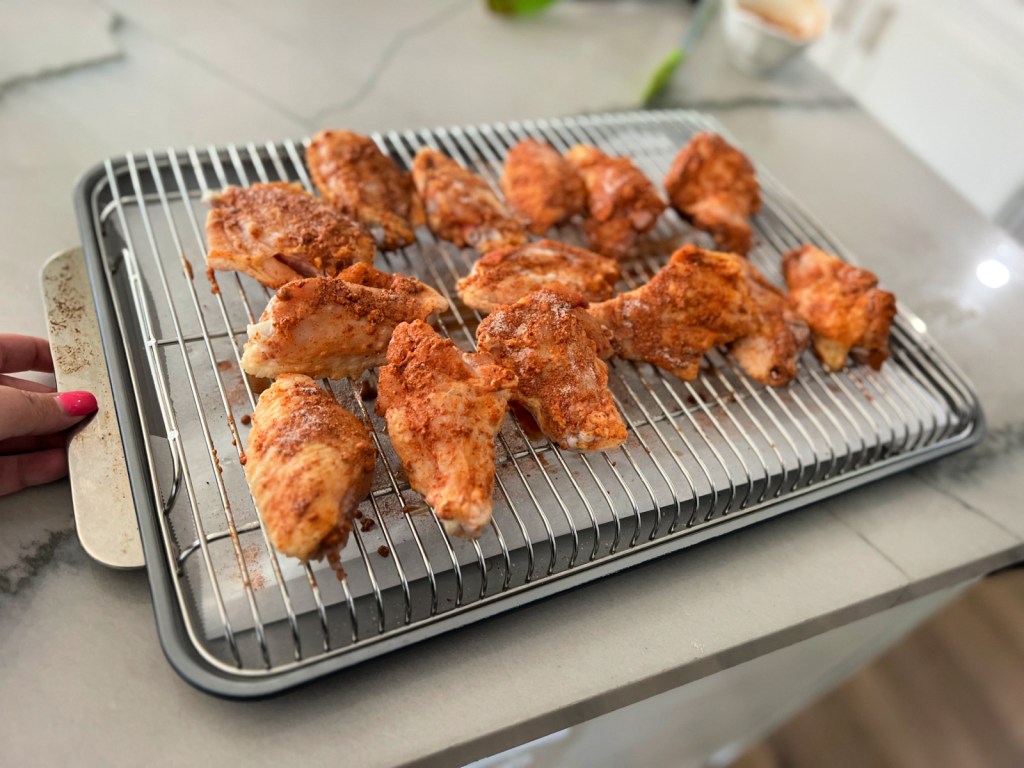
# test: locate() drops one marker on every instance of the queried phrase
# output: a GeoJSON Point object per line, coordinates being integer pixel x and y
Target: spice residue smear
{"type": "Point", "coordinates": [214, 288]}
{"type": "Point", "coordinates": [251, 556]}
{"type": "Point", "coordinates": [334, 560]}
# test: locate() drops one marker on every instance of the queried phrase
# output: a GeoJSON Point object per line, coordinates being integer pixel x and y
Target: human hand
{"type": "Point", "coordinates": [33, 417]}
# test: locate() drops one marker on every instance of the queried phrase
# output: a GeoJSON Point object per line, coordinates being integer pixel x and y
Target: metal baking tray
{"type": "Point", "coordinates": [703, 458]}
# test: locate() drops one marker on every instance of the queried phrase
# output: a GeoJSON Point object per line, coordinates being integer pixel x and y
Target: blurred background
{"type": "Point", "coordinates": [83, 80]}
{"type": "Point", "coordinates": [944, 76]}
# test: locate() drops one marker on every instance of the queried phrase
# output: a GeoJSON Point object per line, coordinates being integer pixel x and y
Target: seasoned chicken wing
{"type": "Point", "coordinates": [443, 409]}
{"type": "Point", "coordinates": [621, 202]}
{"type": "Point", "coordinates": [359, 180]}
{"type": "Point", "coordinates": [769, 353]}
{"type": "Point", "coordinates": [279, 232]}
{"type": "Point", "coordinates": [506, 275]}
{"type": "Point", "coordinates": [309, 463]}
{"type": "Point", "coordinates": [842, 305]}
{"type": "Point", "coordinates": [460, 207]}
{"type": "Point", "coordinates": [335, 327]}
{"type": "Point", "coordinates": [554, 348]}
{"type": "Point", "coordinates": [542, 186]}
{"type": "Point", "coordinates": [700, 299]}
{"type": "Point", "coordinates": [713, 186]}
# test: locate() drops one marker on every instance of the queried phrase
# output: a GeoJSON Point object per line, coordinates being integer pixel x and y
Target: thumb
{"type": "Point", "coordinates": [35, 413]}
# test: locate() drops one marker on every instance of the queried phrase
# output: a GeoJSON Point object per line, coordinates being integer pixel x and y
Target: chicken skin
{"type": "Point", "coordinates": [443, 409]}
{"type": "Point", "coordinates": [335, 327]}
{"type": "Point", "coordinates": [359, 180]}
{"type": "Point", "coordinates": [460, 207]}
{"type": "Point", "coordinates": [621, 202]}
{"type": "Point", "coordinates": [541, 186]}
{"type": "Point", "coordinates": [309, 463]}
{"type": "Point", "coordinates": [700, 299]}
{"type": "Point", "coordinates": [713, 186]}
{"type": "Point", "coordinates": [279, 232]}
{"type": "Point", "coordinates": [769, 354]}
{"type": "Point", "coordinates": [506, 275]}
{"type": "Point", "coordinates": [842, 305]}
{"type": "Point", "coordinates": [554, 348]}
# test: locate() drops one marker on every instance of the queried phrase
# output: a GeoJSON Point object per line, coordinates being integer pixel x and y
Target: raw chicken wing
{"type": "Point", "coordinates": [309, 463]}
{"type": "Point", "coordinates": [460, 206]}
{"type": "Point", "coordinates": [769, 354]}
{"type": "Point", "coordinates": [443, 408]}
{"type": "Point", "coordinates": [621, 202]}
{"type": "Point", "coordinates": [842, 305]}
{"type": "Point", "coordinates": [279, 232]}
{"type": "Point", "coordinates": [555, 348]}
{"type": "Point", "coordinates": [506, 275]}
{"type": "Point", "coordinates": [359, 180]}
{"type": "Point", "coordinates": [700, 299]}
{"type": "Point", "coordinates": [541, 186]}
{"type": "Point", "coordinates": [713, 186]}
{"type": "Point", "coordinates": [335, 327]}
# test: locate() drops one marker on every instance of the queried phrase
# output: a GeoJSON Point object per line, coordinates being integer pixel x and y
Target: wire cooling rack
{"type": "Point", "coordinates": [702, 457]}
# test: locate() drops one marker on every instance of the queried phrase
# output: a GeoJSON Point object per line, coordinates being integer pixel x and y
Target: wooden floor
{"type": "Point", "coordinates": [949, 694]}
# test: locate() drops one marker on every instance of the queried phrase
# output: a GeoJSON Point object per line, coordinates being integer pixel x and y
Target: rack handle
{"type": "Point", "coordinates": [100, 489]}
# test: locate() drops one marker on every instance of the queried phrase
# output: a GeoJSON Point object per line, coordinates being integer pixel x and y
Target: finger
{"type": "Point", "coordinates": [34, 413]}
{"type": "Point", "coordinates": [34, 443]}
{"type": "Point", "coordinates": [25, 384]}
{"type": "Point", "coordinates": [28, 469]}
{"type": "Point", "coordinates": [24, 353]}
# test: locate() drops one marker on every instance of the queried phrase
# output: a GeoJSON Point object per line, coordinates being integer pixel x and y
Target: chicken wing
{"type": "Point", "coordinates": [842, 305]}
{"type": "Point", "coordinates": [443, 409]}
{"type": "Point", "coordinates": [309, 463]}
{"type": "Point", "coordinates": [506, 275]}
{"type": "Point", "coordinates": [554, 348]}
{"type": "Point", "coordinates": [279, 232]}
{"type": "Point", "coordinates": [713, 186]}
{"type": "Point", "coordinates": [359, 180]}
{"type": "Point", "coordinates": [621, 202]}
{"type": "Point", "coordinates": [460, 207]}
{"type": "Point", "coordinates": [700, 299]}
{"type": "Point", "coordinates": [541, 186]}
{"type": "Point", "coordinates": [769, 354]}
{"type": "Point", "coordinates": [335, 327]}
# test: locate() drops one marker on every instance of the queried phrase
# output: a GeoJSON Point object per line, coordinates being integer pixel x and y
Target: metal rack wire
{"type": "Point", "coordinates": [702, 456]}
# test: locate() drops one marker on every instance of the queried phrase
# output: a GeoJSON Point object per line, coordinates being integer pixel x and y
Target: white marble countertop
{"type": "Point", "coordinates": [80, 664]}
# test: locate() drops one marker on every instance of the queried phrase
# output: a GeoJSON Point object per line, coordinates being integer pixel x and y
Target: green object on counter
{"type": "Point", "coordinates": [519, 7]}
{"type": "Point", "coordinates": [665, 70]}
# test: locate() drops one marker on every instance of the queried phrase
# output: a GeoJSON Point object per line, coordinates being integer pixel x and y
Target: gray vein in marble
{"type": "Point", "coordinates": [963, 503]}
{"type": "Point", "coordinates": [766, 102]}
{"type": "Point", "coordinates": [870, 543]}
{"type": "Point", "coordinates": [206, 66]}
{"type": "Point", "coordinates": [390, 51]}
{"type": "Point", "coordinates": [14, 577]}
{"type": "Point", "coordinates": [1000, 442]}
{"type": "Point", "coordinates": [54, 60]}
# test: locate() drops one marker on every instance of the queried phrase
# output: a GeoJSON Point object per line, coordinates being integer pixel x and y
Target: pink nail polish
{"type": "Point", "coordinates": [77, 403]}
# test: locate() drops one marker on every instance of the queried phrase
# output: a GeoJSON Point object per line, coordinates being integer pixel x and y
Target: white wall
{"type": "Point", "coordinates": [947, 77]}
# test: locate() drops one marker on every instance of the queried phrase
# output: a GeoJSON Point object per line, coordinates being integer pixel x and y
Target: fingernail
{"type": "Point", "coordinates": [77, 403]}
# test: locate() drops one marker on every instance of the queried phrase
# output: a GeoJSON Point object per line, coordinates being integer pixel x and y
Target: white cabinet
{"type": "Point", "coordinates": [947, 77]}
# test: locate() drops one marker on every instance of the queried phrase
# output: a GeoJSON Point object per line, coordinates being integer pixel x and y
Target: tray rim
{"type": "Point", "coordinates": [182, 650]}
